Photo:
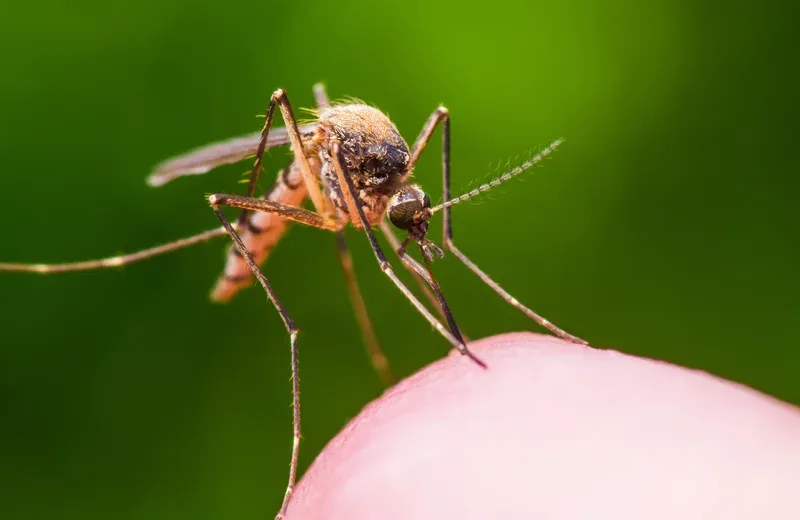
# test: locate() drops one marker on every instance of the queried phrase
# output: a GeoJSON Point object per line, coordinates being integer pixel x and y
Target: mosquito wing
{"type": "Point", "coordinates": [205, 158]}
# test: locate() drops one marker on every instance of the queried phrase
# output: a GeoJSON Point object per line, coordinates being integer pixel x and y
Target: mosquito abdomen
{"type": "Point", "coordinates": [261, 234]}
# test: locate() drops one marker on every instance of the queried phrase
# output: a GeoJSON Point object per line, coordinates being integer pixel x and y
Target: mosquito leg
{"type": "Point", "coordinates": [321, 203]}
{"type": "Point", "coordinates": [376, 356]}
{"type": "Point", "coordinates": [442, 115]}
{"type": "Point", "coordinates": [262, 145]}
{"type": "Point", "coordinates": [262, 231]}
{"type": "Point", "coordinates": [346, 182]}
{"type": "Point", "coordinates": [510, 299]}
{"type": "Point", "coordinates": [428, 128]}
{"type": "Point", "coordinates": [115, 261]}
{"type": "Point", "coordinates": [426, 273]}
{"type": "Point", "coordinates": [291, 328]}
{"type": "Point", "coordinates": [279, 98]}
{"type": "Point", "coordinates": [303, 216]}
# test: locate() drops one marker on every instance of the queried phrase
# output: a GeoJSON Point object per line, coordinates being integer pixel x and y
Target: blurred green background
{"type": "Point", "coordinates": [667, 225]}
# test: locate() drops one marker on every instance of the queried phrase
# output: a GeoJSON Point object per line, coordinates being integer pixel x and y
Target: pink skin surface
{"type": "Point", "coordinates": [553, 430]}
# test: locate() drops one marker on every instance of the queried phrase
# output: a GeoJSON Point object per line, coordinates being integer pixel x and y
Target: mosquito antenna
{"type": "Point", "coordinates": [501, 179]}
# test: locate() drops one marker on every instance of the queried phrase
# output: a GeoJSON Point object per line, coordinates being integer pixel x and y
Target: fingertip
{"type": "Point", "coordinates": [552, 428]}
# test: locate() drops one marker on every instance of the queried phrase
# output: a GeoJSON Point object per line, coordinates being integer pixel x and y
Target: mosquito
{"type": "Point", "coordinates": [354, 166]}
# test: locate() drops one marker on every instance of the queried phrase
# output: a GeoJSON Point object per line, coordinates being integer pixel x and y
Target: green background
{"type": "Point", "coordinates": [667, 225]}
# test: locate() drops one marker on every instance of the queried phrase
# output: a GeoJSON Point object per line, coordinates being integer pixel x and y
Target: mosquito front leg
{"type": "Point", "coordinates": [354, 209]}
{"type": "Point", "coordinates": [441, 115]}
{"type": "Point", "coordinates": [426, 274]}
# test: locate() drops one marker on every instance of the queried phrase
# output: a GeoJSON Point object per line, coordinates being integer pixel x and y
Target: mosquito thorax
{"type": "Point", "coordinates": [374, 152]}
{"type": "Point", "coordinates": [408, 209]}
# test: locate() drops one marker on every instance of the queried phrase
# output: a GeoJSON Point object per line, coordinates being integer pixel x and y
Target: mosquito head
{"type": "Point", "coordinates": [409, 209]}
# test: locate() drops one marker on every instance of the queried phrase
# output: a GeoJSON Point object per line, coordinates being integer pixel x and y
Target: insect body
{"type": "Point", "coordinates": [376, 158]}
{"type": "Point", "coordinates": [353, 166]}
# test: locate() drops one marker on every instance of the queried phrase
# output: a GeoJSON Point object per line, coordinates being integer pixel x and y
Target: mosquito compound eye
{"type": "Point", "coordinates": [405, 205]}
{"type": "Point", "coordinates": [402, 214]}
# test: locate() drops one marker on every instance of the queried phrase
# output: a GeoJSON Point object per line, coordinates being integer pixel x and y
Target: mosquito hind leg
{"type": "Point", "coordinates": [376, 356]}
{"type": "Point", "coordinates": [292, 329]}
{"type": "Point", "coordinates": [115, 261]}
{"type": "Point", "coordinates": [453, 336]}
{"type": "Point", "coordinates": [441, 115]}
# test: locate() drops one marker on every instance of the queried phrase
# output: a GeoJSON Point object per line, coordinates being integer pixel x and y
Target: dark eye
{"type": "Point", "coordinates": [402, 214]}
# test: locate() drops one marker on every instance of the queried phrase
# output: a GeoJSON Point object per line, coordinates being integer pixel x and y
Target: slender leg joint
{"type": "Point", "coordinates": [288, 212]}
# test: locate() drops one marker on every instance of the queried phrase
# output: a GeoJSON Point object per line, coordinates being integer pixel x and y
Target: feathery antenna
{"type": "Point", "coordinates": [503, 178]}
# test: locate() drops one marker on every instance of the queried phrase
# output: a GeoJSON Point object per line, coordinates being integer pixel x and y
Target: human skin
{"type": "Point", "coordinates": [553, 430]}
